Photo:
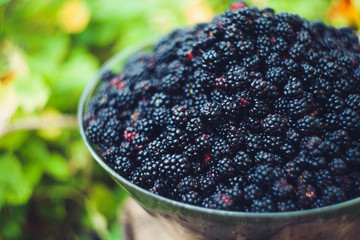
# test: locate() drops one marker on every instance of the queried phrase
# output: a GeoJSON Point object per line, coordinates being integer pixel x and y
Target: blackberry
{"type": "Point", "coordinates": [293, 89]}
{"type": "Point", "coordinates": [315, 146]}
{"type": "Point", "coordinates": [262, 175]}
{"type": "Point", "coordinates": [306, 195]}
{"type": "Point", "coordinates": [187, 184]}
{"type": "Point", "coordinates": [194, 127]}
{"type": "Point", "coordinates": [175, 138]}
{"type": "Point", "coordinates": [211, 60]}
{"type": "Point", "coordinates": [225, 167]}
{"type": "Point", "coordinates": [338, 166]}
{"type": "Point", "coordinates": [286, 206]}
{"type": "Point", "coordinates": [350, 120]}
{"type": "Point", "coordinates": [237, 77]}
{"type": "Point", "coordinates": [94, 131]}
{"type": "Point", "coordinates": [211, 111]}
{"type": "Point", "coordinates": [252, 191]}
{"type": "Point", "coordinates": [180, 115]}
{"type": "Point", "coordinates": [110, 154]}
{"type": "Point", "coordinates": [265, 204]}
{"type": "Point", "coordinates": [353, 102]}
{"type": "Point", "coordinates": [263, 157]}
{"type": "Point", "coordinates": [282, 190]}
{"type": "Point", "coordinates": [173, 166]}
{"type": "Point", "coordinates": [333, 194]}
{"type": "Point", "coordinates": [220, 148]}
{"type": "Point", "coordinates": [300, 106]}
{"type": "Point", "coordinates": [309, 125]}
{"type": "Point", "coordinates": [219, 201]}
{"type": "Point", "coordinates": [253, 143]}
{"type": "Point", "coordinates": [191, 197]}
{"type": "Point", "coordinates": [274, 123]}
{"type": "Point", "coordinates": [259, 108]}
{"type": "Point", "coordinates": [242, 161]}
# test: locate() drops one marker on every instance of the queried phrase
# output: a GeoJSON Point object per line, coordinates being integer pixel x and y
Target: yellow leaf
{"type": "Point", "coordinates": [74, 16]}
{"type": "Point", "coordinates": [198, 12]}
{"type": "Point", "coordinates": [344, 10]}
{"type": "Point", "coordinates": [7, 78]}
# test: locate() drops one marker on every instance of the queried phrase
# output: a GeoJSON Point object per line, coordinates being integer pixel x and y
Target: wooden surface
{"type": "Point", "coordinates": [137, 224]}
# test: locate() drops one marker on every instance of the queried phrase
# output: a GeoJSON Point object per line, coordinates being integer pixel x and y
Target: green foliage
{"type": "Point", "coordinates": [50, 187]}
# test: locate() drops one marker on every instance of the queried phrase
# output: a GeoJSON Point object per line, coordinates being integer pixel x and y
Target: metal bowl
{"type": "Point", "coordinates": [184, 221]}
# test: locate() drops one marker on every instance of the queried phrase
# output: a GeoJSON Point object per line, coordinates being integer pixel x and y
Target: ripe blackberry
{"type": "Point", "coordinates": [225, 167]}
{"type": "Point", "coordinates": [242, 161]}
{"type": "Point", "coordinates": [259, 108]}
{"type": "Point", "coordinates": [176, 138]}
{"type": "Point", "coordinates": [333, 194]}
{"type": "Point", "coordinates": [263, 157]}
{"type": "Point", "coordinates": [274, 123]}
{"type": "Point", "coordinates": [180, 115]}
{"type": "Point", "coordinates": [286, 206]}
{"type": "Point", "coordinates": [352, 156]}
{"type": "Point", "coordinates": [187, 184]}
{"type": "Point", "coordinates": [156, 148]}
{"type": "Point", "coordinates": [110, 154]}
{"type": "Point", "coordinates": [150, 171]}
{"type": "Point", "coordinates": [350, 120]}
{"type": "Point", "coordinates": [282, 190]}
{"type": "Point", "coordinates": [94, 131]}
{"type": "Point", "coordinates": [293, 89]}
{"type": "Point", "coordinates": [194, 127]}
{"type": "Point", "coordinates": [191, 197]}
{"type": "Point", "coordinates": [306, 195]}
{"type": "Point", "coordinates": [173, 167]}
{"type": "Point", "coordinates": [235, 137]}
{"type": "Point", "coordinates": [253, 143]}
{"type": "Point", "coordinates": [315, 146]}
{"type": "Point", "coordinates": [309, 125]}
{"type": "Point", "coordinates": [338, 166]}
{"type": "Point", "coordinates": [237, 77]}
{"type": "Point", "coordinates": [276, 75]}
{"type": "Point", "coordinates": [207, 184]}
{"type": "Point", "coordinates": [211, 60]}
{"type": "Point", "coordinates": [220, 148]}
{"type": "Point", "coordinates": [353, 102]}
{"type": "Point", "coordinates": [262, 175]}
{"type": "Point", "coordinates": [265, 204]}
{"type": "Point", "coordinates": [211, 111]}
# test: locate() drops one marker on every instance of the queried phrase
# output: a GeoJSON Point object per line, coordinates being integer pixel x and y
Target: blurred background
{"type": "Point", "coordinates": [50, 187]}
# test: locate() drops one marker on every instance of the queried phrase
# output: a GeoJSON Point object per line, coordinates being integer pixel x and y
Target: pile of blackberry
{"type": "Point", "coordinates": [252, 112]}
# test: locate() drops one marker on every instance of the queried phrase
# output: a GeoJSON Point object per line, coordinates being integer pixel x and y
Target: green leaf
{"type": "Point", "coordinates": [37, 153]}
{"type": "Point", "coordinates": [57, 167]}
{"type": "Point", "coordinates": [71, 78]}
{"type": "Point", "coordinates": [103, 200]}
{"type": "Point", "coordinates": [4, 1]}
{"type": "Point", "coordinates": [32, 91]}
{"type": "Point", "coordinates": [15, 186]}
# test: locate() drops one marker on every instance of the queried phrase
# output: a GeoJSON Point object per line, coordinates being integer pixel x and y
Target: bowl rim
{"type": "Point", "coordinates": [89, 89]}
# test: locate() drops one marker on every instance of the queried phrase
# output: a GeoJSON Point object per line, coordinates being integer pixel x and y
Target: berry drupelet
{"type": "Point", "coordinates": [254, 111]}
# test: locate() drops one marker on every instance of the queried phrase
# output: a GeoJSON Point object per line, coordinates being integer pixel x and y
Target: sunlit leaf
{"type": "Point", "coordinates": [198, 12]}
{"type": "Point", "coordinates": [74, 16]}
{"type": "Point", "coordinates": [32, 92]}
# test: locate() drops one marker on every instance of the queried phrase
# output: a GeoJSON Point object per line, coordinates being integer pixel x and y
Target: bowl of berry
{"type": "Point", "coordinates": [246, 127]}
